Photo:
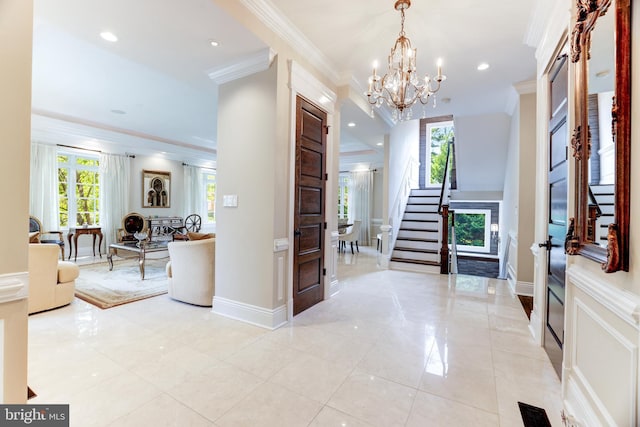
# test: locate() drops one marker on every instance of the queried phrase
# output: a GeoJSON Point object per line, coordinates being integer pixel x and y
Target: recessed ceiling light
{"type": "Point", "coordinates": [445, 100]}
{"type": "Point", "coordinates": [483, 66]}
{"type": "Point", "coordinates": [118, 112]}
{"type": "Point", "coordinates": [109, 36]}
{"type": "Point", "coordinates": [380, 144]}
{"type": "Point", "coordinates": [214, 43]}
{"type": "Point", "coordinates": [351, 124]}
{"type": "Point", "coordinates": [603, 73]}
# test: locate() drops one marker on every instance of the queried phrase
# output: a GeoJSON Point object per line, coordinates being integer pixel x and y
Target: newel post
{"type": "Point", "coordinates": [444, 248]}
{"type": "Point", "coordinates": [384, 243]}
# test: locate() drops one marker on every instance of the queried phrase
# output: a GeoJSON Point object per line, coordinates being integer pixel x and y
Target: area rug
{"type": "Point", "coordinates": [105, 289]}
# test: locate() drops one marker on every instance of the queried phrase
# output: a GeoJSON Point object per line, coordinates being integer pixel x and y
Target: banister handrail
{"type": "Point", "coordinates": [445, 177]}
{"type": "Point", "coordinates": [443, 210]}
{"type": "Point", "coordinates": [592, 197]}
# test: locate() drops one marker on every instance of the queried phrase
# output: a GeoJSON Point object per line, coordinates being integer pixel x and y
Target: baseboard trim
{"type": "Point", "coordinates": [334, 288]}
{"type": "Point", "coordinates": [524, 289]}
{"type": "Point", "coordinates": [259, 316]}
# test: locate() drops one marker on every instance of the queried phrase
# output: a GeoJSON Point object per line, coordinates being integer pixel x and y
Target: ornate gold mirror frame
{"type": "Point", "coordinates": [581, 240]}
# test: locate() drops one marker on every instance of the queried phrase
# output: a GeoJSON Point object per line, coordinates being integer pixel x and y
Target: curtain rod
{"type": "Point", "coordinates": [366, 170]}
{"type": "Point", "coordinates": [201, 167]}
{"type": "Point", "coordinates": [92, 150]}
{"type": "Point", "coordinates": [78, 148]}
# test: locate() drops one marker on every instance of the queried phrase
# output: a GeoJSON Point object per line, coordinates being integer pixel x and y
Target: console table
{"type": "Point", "coordinates": [75, 232]}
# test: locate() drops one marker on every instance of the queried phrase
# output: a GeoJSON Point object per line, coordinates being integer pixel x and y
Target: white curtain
{"type": "Point", "coordinates": [194, 194]}
{"type": "Point", "coordinates": [43, 185]}
{"type": "Point", "coordinates": [361, 203]}
{"type": "Point", "coordinates": [115, 177]}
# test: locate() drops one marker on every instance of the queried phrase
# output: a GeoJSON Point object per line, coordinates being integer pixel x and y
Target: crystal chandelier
{"type": "Point", "coordinates": [400, 88]}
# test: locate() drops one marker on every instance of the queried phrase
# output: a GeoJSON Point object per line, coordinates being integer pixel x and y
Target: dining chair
{"type": "Point", "coordinates": [350, 236]}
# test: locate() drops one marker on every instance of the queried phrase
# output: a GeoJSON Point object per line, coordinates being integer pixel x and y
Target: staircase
{"type": "Point", "coordinates": [604, 195]}
{"type": "Point", "coordinates": [417, 247]}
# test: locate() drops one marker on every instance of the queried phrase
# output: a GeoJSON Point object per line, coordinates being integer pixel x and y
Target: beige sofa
{"type": "Point", "coordinates": [191, 271]}
{"type": "Point", "coordinates": [51, 282]}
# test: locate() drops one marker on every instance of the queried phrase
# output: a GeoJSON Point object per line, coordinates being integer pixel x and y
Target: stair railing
{"type": "Point", "coordinates": [594, 212]}
{"type": "Point", "coordinates": [443, 210]}
{"type": "Point", "coordinates": [409, 180]}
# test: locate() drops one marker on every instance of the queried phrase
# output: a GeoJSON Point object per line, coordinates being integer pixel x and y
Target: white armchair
{"type": "Point", "coordinates": [52, 283]}
{"type": "Point", "coordinates": [351, 236]}
{"type": "Point", "coordinates": [191, 271]}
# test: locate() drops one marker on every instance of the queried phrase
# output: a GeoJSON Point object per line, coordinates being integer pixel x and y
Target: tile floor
{"type": "Point", "coordinates": [391, 349]}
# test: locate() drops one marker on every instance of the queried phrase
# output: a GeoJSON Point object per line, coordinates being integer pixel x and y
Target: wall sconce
{"type": "Point", "coordinates": [494, 231]}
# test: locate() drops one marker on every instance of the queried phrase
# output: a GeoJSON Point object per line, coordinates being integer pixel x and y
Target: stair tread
{"type": "Point", "coordinates": [417, 229]}
{"type": "Point", "coordinates": [405, 249]}
{"type": "Point", "coordinates": [415, 261]}
{"type": "Point", "coordinates": [416, 239]}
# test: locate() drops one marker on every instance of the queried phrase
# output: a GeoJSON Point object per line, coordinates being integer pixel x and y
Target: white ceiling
{"type": "Point", "coordinates": [158, 71]}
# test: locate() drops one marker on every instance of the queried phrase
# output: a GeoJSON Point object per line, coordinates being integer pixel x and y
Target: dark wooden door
{"type": "Point", "coordinates": [557, 213]}
{"type": "Point", "coordinates": [309, 219]}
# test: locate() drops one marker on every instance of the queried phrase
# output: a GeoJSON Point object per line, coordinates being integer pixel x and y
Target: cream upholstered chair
{"type": "Point", "coordinates": [52, 283]}
{"type": "Point", "coordinates": [191, 271]}
{"type": "Point", "coordinates": [351, 236]}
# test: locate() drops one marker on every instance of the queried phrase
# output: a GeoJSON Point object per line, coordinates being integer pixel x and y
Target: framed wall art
{"type": "Point", "coordinates": [156, 189]}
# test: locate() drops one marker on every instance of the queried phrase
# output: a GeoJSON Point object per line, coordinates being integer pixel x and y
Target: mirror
{"type": "Point", "coordinates": [601, 43]}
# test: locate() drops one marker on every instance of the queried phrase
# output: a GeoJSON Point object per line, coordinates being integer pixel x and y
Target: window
{"type": "Point", "coordinates": [210, 191]}
{"type": "Point", "coordinates": [438, 135]}
{"type": "Point", "coordinates": [343, 196]}
{"type": "Point", "coordinates": [473, 228]}
{"type": "Point", "coordinates": [78, 190]}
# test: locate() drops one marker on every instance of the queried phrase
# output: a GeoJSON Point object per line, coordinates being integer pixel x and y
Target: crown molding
{"type": "Point", "coordinates": [526, 87]}
{"type": "Point", "coordinates": [515, 91]}
{"type": "Point", "coordinates": [250, 64]}
{"type": "Point", "coordinates": [269, 15]}
{"type": "Point", "coordinates": [302, 81]}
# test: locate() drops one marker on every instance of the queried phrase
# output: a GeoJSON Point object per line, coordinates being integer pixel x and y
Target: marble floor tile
{"type": "Point", "coordinates": [391, 348]}
{"type": "Point", "coordinates": [329, 417]}
{"type": "Point", "coordinates": [312, 377]}
{"type": "Point", "coordinates": [271, 405]}
{"type": "Point", "coordinates": [433, 411]}
{"type": "Point", "coordinates": [373, 399]}
{"type": "Point", "coordinates": [163, 411]}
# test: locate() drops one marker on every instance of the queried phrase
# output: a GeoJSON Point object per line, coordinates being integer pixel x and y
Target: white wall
{"type": "Point", "coordinates": [246, 169]}
{"type": "Point", "coordinates": [526, 184]}
{"type": "Point", "coordinates": [404, 151]}
{"type": "Point", "coordinates": [16, 20]}
{"type": "Point", "coordinates": [481, 151]}
{"type": "Point", "coordinates": [516, 233]}
{"type": "Point", "coordinates": [378, 181]}
{"type": "Point", "coordinates": [509, 219]}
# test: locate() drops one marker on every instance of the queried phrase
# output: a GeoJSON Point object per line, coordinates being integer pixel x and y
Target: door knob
{"type": "Point", "coordinates": [546, 244]}
{"type": "Point", "coordinates": [297, 232]}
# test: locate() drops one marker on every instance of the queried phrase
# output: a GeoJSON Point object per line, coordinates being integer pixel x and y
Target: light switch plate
{"type": "Point", "coordinates": [230, 200]}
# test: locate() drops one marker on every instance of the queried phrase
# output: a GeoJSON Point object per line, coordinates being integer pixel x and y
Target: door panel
{"type": "Point", "coordinates": [557, 214]}
{"type": "Point", "coordinates": [309, 215]}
